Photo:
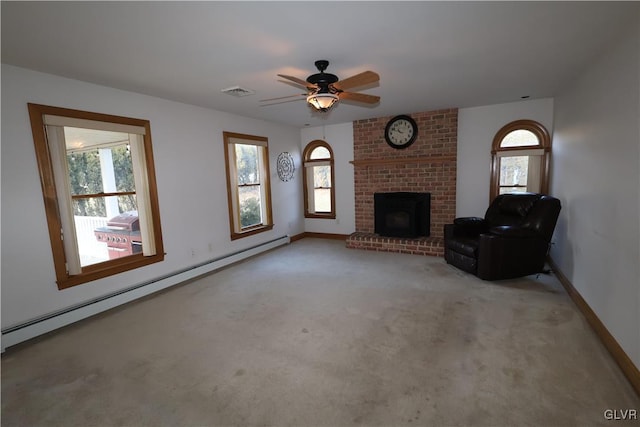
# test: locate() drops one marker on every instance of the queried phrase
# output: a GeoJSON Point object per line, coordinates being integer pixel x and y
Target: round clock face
{"type": "Point", "coordinates": [401, 132]}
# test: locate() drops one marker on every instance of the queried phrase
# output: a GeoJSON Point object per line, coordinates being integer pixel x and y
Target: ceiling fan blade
{"type": "Point", "coordinates": [359, 97]}
{"type": "Point", "coordinates": [283, 97]}
{"type": "Point", "coordinates": [298, 81]}
{"type": "Point", "coordinates": [364, 78]}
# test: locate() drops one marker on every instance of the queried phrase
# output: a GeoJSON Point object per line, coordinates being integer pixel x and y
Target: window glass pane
{"type": "Point", "coordinates": [250, 206]}
{"type": "Point", "coordinates": [100, 170]}
{"type": "Point", "coordinates": [101, 238]}
{"type": "Point", "coordinates": [92, 243]}
{"type": "Point", "coordinates": [322, 176]}
{"type": "Point", "coordinates": [125, 203]}
{"type": "Point", "coordinates": [247, 164]}
{"type": "Point", "coordinates": [514, 170]}
{"type": "Point", "coordinates": [104, 206]}
{"type": "Point", "coordinates": [92, 153]}
{"type": "Point", "coordinates": [519, 138]}
{"type": "Point", "coordinates": [78, 139]}
{"type": "Point", "coordinates": [85, 176]}
{"type": "Point", "coordinates": [319, 153]}
{"type": "Point", "coordinates": [123, 168]}
{"type": "Point", "coordinates": [322, 200]}
{"type": "Point", "coordinates": [92, 206]}
{"type": "Point", "coordinates": [100, 161]}
{"type": "Point", "coordinates": [322, 188]}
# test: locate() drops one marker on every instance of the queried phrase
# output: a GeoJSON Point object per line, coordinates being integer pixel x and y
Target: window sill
{"type": "Point", "coordinates": [111, 268]}
{"type": "Point", "coordinates": [320, 216]}
{"type": "Point", "coordinates": [251, 231]}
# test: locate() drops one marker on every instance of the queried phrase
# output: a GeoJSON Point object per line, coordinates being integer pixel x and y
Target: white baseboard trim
{"type": "Point", "coordinates": [33, 328]}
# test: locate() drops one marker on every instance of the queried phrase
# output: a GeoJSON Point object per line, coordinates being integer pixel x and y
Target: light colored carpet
{"type": "Point", "coordinates": [314, 334]}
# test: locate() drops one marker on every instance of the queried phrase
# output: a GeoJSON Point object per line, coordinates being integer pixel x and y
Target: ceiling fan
{"type": "Point", "coordinates": [325, 89]}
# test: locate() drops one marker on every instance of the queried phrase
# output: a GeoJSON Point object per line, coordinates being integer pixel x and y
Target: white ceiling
{"type": "Point", "coordinates": [429, 55]}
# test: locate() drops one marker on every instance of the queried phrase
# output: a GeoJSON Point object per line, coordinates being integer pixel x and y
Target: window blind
{"type": "Point", "coordinates": [140, 177]}
{"type": "Point", "coordinates": [55, 135]}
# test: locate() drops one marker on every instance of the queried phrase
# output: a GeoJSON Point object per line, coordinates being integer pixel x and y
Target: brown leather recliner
{"type": "Point", "coordinates": [512, 240]}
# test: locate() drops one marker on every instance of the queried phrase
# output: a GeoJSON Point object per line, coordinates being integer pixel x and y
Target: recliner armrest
{"type": "Point", "coordinates": [470, 226]}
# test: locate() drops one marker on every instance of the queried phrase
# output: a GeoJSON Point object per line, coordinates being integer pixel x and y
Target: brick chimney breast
{"type": "Point", "coordinates": [428, 165]}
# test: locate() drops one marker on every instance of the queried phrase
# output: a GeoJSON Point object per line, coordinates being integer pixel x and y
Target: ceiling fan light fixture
{"type": "Point", "coordinates": [322, 101]}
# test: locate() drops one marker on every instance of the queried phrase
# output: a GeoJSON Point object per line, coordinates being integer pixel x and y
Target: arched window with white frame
{"type": "Point", "coordinates": [520, 159]}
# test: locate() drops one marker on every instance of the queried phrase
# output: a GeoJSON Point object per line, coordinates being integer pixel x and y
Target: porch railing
{"type": "Point", "coordinates": [91, 251]}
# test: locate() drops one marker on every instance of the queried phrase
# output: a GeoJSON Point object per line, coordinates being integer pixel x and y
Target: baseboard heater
{"type": "Point", "coordinates": [35, 327]}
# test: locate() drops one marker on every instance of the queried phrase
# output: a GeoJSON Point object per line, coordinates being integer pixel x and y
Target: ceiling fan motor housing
{"type": "Point", "coordinates": [322, 80]}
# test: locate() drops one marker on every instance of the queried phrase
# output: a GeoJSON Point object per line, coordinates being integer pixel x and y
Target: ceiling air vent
{"type": "Point", "coordinates": [238, 91]}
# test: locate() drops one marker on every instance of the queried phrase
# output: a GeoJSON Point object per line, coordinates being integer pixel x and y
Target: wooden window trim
{"type": "Point", "coordinates": [306, 154]}
{"type": "Point", "coordinates": [544, 143]}
{"type": "Point", "coordinates": [232, 194]}
{"type": "Point", "coordinates": [43, 157]}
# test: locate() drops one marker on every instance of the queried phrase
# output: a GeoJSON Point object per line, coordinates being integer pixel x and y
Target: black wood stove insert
{"type": "Point", "coordinates": [402, 214]}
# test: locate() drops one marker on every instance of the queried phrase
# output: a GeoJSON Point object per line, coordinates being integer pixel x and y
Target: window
{"type": "Point", "coordinates": [248, 185]}
{"type": "Point", "coordinates": [318, 178]}
{"type": "Point", "coordinates": [99, 190]}
{"type": "Point", "coordinates": [520, 158]}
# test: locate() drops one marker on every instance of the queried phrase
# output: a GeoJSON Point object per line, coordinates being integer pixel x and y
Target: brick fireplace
{"type": "Point", "coordinates": [429, 165]}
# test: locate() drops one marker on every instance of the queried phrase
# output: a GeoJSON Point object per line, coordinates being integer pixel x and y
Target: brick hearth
{"type": "Point", "coordinates": [429, 165]}
{"type": "Point", "coordinates": [433, 246]}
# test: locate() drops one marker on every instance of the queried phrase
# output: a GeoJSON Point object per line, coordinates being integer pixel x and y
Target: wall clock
{"type": "Point", "coordinates": [401, 132]}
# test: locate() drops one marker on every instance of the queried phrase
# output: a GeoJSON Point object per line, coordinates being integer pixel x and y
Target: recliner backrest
{"type": "Point", "coordinates": [533, 211]}
{"type": "Point", "coordinates": [543, 216]}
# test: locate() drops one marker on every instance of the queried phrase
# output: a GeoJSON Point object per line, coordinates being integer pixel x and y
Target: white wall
{"type": "Point", "coordinates": [596, 175]}
{"type": "Point", "coordinates": [340, 138]}
{"type": "Point", "coordinates": [476, 128]}
{"type": "Point", "coordinates": [189, 160]}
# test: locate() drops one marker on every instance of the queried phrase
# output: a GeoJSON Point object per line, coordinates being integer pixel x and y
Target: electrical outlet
{"type": "Point", "coordinates": [210, 247]}
{"type": "Point", "coordinates": [193, 252]}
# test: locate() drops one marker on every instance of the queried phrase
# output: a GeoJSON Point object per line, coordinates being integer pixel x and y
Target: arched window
{"type": "Point", "coordinates": [318, 177]}
{"type": "Point", "coordinates": [520, 159]}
